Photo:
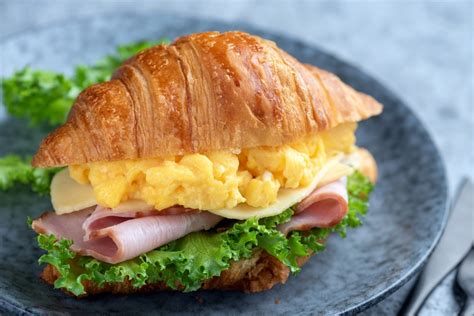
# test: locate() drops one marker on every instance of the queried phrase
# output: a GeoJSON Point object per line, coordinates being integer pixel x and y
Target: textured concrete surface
{"type": "Point", "coordinates": [422, 50]}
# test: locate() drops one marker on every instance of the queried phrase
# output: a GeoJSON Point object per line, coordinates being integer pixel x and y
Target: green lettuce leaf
{"type": "Point", "coordinates": [359, 188]}
{"type": "Point", "coordinates": [14, 169]}
{"type": "Point", "coordinates": [39, 96]}
{"type": "Point", "coordinates": [186, 263]}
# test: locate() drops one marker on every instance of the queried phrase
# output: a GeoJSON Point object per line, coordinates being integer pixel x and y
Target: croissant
{"type": "Point", "coordinates": [204, 92]}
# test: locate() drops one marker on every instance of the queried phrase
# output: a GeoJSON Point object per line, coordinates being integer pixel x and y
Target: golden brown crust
{"type": "Point", "coordinates": [258, 273]}
{"type": "Point", "coordinates": [205, 92]}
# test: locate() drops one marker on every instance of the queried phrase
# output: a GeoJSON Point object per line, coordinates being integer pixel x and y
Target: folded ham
{"type": "Point", "coordinates": [102, 218]}
{"type": "Point", "coordinates": [116, 237]}
{"type": "Point", "coordinates": [324, 207]}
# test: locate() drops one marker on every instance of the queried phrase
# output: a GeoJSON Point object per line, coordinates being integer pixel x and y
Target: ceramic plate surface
{"type": "Point", "coordinates": [406, 217]}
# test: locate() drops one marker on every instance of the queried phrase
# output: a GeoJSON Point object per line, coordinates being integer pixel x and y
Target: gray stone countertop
{"type": "Point", "coordinates": [422, 50]}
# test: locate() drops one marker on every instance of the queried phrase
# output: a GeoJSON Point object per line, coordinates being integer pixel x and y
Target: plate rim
{"type": "Point", "coordinates": [373, 79]}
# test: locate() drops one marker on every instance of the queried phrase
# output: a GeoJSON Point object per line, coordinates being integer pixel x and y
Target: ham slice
{"type": "Point", "coordinates": [102, 217]}
{"type": "Point", "coordinates": [324, 207]}
{"type": "Point", "coordinates": [116, 237]}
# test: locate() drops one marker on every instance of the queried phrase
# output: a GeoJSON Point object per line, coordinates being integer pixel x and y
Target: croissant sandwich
{"type": "Point", "coordinates": [216, 162]}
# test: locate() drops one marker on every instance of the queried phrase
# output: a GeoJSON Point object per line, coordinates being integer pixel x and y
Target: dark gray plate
{"type": "Point", "coordinates": [407, 213]}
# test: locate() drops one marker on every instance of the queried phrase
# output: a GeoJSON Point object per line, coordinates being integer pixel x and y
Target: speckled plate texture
{"type": "Point", "coordinates": [406, 217]}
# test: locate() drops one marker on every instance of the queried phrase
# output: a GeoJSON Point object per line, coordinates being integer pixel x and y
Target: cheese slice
{"type": "Point", "coordinates": [336, 168]}
{"type": "Point", "coordinates": [336, 172]}
{"type": "Point", "coordinates": [285, 198]}
{"type": "Point", "coordinates": [68, 196]}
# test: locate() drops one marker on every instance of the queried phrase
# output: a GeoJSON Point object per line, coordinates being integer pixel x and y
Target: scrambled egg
{"type": "Point", "coordinates": [211, 181]}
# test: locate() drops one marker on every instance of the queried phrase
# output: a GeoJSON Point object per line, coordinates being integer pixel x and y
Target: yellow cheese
{"type": "Point", "coordinates": [68, 196]}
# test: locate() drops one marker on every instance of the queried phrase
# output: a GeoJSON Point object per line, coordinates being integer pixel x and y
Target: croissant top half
{"type": "Point", "coordinates": [204, 92]}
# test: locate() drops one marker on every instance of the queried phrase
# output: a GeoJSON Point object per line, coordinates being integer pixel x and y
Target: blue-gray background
{"type": "Point", "coordinates": [422, 50]}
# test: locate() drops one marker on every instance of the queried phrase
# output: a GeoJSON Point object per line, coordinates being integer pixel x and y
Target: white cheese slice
{"type": "Point", "coordinates": [285, 198]}
{"type": "Point", "coordinates": [68, 196]}
{"type": "Point", "coordinates": [336, 172]}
